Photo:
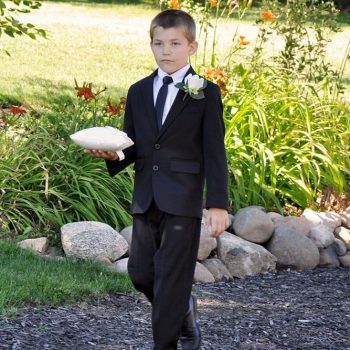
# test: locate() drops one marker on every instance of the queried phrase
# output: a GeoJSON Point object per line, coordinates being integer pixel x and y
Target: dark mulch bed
{"type": "Point", "coordinates": [282, 310]}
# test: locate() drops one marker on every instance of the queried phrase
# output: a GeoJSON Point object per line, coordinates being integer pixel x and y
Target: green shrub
{"type": "Point", "coordinates": [287, 129]}
{"type": "Point", "coordinates": [47, 181]}
{"type": "Point", "coordinates": [285, 140]}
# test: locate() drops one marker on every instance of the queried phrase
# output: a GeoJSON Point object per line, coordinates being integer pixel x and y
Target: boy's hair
{"type": "Point", "coordinates": [173, 19]}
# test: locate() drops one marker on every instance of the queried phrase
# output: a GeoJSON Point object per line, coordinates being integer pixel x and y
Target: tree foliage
{"type": "Point", "coordinates": [11, 26]}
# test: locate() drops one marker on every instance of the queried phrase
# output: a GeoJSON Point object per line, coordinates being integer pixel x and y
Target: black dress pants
{"type": "Point", "coordinates": [161, 265]}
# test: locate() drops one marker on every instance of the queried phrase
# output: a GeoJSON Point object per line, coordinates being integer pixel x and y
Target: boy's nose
{"type": "Point", "coordinates": [166, 50]}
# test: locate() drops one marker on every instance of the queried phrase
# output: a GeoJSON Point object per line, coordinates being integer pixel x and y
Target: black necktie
{"type": "Point", "coordinates": [160, 101]}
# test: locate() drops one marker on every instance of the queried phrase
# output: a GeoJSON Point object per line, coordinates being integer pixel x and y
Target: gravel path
{"type": "Point", "coordinates": [282, 310]}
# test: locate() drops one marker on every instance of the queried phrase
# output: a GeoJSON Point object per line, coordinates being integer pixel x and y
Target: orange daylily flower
{"type": "Point", "coordinates": [217, 76]}
{"type": "Point", "coordinates": [174, 4]}
{"type": "Point", "coordinates": [214, 3]}
{"type": "Point", "coordinates": [17, 110]}
{"type": "Point", "coordinates": [268, 16]}
{"type": "Point", "coordinates": [85, 91]}
{"type": "Point", "coordinates": [242, 40]}
{"type": "Point", "coordinates": [116, 109]}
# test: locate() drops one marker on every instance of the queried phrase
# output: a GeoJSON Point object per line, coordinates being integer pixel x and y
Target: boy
{"type": "Point", "coordinates": [179, 144]}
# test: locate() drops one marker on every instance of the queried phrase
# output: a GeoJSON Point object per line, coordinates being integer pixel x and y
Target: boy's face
{"type": "Point", "coordinates": [171, 49]}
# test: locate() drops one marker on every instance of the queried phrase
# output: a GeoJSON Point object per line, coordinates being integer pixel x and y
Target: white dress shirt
{"type": "Point", "coordinates": [172, 90]}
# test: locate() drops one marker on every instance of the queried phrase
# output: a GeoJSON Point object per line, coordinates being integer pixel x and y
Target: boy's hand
{"type": "Point", "coordinates": [108, 155]}
{"type": "Point", "coordinates": [218, 220]}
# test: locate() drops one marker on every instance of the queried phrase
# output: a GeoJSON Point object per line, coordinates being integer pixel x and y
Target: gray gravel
{"type": "Point", "coordinates": [282, 310]}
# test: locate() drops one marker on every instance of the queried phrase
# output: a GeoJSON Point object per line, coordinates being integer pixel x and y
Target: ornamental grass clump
{"type": "Point", "coordinates": [287, 127]}
{"type": "Point", "coordinates": [47, 180]}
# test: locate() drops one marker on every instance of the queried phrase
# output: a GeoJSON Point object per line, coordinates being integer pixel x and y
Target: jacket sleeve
{"type": "Point", "coordinates": [215, 163]}
{"type": "Point", "coordinates": [115, 166]}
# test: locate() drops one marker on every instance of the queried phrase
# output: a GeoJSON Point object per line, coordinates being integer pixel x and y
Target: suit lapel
{"type": "Point", "coordinates": [149, 102]}
{"type": "Point", "coordinates": [179, 103]}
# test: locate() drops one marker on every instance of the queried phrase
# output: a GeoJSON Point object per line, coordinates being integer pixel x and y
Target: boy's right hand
{"type": "Point", "coordinates": [107, 155]}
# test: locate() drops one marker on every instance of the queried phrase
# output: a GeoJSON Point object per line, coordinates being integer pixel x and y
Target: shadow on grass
{"type": "Point", "coordinates": [45, 92]}
{"type": "Point", "coordinates": [48, 93]}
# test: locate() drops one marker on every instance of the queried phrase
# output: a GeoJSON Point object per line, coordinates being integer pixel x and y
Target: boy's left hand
{"type": "Point", "coordinates": [218, 220]}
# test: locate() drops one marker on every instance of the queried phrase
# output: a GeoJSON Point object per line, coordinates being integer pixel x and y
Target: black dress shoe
{"type": "Point", "coordinates": [190, 332]}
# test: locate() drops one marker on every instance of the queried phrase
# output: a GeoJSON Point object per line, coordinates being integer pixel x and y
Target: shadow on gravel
{"type": "Point", "coordinates": [282, 310]}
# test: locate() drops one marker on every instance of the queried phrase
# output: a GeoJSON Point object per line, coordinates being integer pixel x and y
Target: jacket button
{"type": "Point", "coordinates": [157, 146]}
{"type": "Point", "coordinates": [155, 167]}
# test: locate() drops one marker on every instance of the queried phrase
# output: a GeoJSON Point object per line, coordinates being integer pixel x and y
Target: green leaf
{"type": "Point", "coordinates": [198, 96]}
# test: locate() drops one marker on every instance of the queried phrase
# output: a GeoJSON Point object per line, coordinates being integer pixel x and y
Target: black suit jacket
{"type": "Point", "coordinates": [172, 165]}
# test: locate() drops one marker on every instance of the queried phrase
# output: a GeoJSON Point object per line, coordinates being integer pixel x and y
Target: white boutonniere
{"type": "Point", "coordinates": [193, 86]}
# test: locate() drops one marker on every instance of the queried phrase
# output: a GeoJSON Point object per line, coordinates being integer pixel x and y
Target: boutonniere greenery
{"type": "Point", "coordinates": [193, 85]}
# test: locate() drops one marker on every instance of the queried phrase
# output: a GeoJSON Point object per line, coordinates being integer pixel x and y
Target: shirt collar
{"type": "Point", "coordinates": [178, 76]}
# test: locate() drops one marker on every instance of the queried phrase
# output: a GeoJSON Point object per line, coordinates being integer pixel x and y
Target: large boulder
{"type": "Point", "coordinates": [253, 224]}
{"type": "Point", "coordinates": [92, 240]}
{"type": "Point", "coordinates": [322, 235]}
{"type": "Point", "coordinates": [298, 223]}
{"type": "Point", "coordinates": [218, 269]}
{"type": "Point", "coordinates": [244, 258]}
{"type": "Point", "coordinates": [293, 249]}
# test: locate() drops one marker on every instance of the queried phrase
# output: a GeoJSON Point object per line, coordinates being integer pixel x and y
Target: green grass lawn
{"type": "Point", "coordinates": [106, 44]}
{"type": "Point", "coordinates": [26, 279]}
{"type": "Point", "coordinates": [103, 44]}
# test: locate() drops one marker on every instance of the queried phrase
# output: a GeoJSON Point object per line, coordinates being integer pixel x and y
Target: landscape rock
{"type": "Point", "coordinates": [293, 249]}
{"type": "Point", "coordinates": [299, 224]}
{"type": "Point", "coordinates": [120, 265]}
{"type": "Point", "coordinates": [330, 219]}
{"type": "Point", "coordinates": [126, 232]}
{"type": "Point", "coordinates": [345, 260]}
{"type": "Point", "coordinates": [244, 258]}
{"type": "Point", "coordinates": [339, 247]}
{"type": "Point", "coordinates": [345, 217]}
{"type": "Point", "coordinates": [328, 257]}
{"type": "Point", "coordinates": [202, 274]}
{"type": "Point", "coordinates": [312, 217]}
{"type": "Point", "coordinates": [274, 216]}
{"type": "Point", "coordinates": [218, 269]}
{"type": "Point", "coordinates": [38, 245]}
{"type": "Point", "coordinates": [322, 235]}
{"type": "Point", "coordinates": [206, 243]}
{"type": "Point", "coordinates": [92, 240]}
{"type": "Point", "coordinates": [343, 234]}
{"type": "Point", "coordinates": [253, 224]}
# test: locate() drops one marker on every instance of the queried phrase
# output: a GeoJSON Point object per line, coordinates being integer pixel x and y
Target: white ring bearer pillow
{"type": "Point", "coordinates": [105, 138]}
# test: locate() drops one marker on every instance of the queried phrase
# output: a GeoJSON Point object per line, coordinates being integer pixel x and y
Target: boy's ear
{"type": "Point", "coordinates": [193, 47]}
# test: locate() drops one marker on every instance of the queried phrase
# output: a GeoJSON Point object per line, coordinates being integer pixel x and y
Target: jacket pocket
{"type": "Point", "coordinates": [139, 164]}
{"type": "Point", "coordinates": [185, 166]}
